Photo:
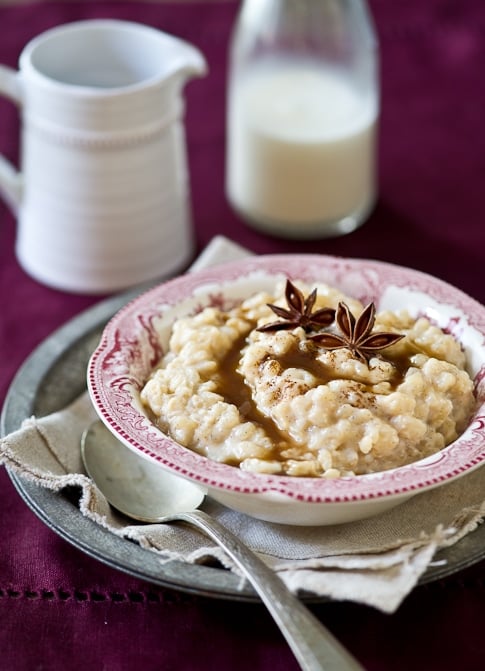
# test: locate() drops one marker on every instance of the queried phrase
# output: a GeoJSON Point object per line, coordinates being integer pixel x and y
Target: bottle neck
{"type": "Point", "coordinates": [338, 33]}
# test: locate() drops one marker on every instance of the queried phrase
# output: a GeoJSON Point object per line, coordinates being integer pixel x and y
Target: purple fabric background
{"type": "Point", "coordinates": [59, 608]}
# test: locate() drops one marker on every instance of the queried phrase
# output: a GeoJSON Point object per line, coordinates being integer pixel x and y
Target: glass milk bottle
{"type": "Point", "coordinates": [302, 113]}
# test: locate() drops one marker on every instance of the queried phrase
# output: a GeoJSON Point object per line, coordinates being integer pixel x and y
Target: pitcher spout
{"type": "Point", "coordinates": [187, 62]}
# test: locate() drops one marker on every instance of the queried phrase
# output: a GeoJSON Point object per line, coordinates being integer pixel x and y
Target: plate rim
{"type": "Point", "coordinates": [62, 516]}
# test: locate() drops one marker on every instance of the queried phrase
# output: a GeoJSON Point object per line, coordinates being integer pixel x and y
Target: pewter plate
{"type": "Point", "coordinates": [53, 376]}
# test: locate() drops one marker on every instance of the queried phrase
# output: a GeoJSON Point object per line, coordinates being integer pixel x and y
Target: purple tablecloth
{"type": "Point", "coordinates": [61, 609]}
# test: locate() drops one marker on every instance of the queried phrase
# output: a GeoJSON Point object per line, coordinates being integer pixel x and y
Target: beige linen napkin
{"type": "Point", "coordinates": [376, 561]}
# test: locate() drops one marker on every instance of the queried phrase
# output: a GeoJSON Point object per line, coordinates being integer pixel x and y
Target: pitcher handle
{"type": "Point", "coordinates": [10, 178]}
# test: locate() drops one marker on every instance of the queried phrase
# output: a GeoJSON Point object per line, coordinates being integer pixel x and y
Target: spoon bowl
{"type": "Point", "coordinates": [135, 486]}
{"type": "Point", "coordinates": [145, 492]}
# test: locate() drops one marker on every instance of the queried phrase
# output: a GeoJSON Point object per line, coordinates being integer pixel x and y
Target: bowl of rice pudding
{"type": "Point", "coordinates": [299, 389]}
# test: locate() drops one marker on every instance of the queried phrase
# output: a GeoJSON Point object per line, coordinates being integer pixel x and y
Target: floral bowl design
{"type": "Point", "coordinates": [134, 341]}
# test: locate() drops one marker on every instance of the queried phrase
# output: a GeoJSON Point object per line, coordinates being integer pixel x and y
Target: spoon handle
{"type": "Point", "coordinates": [313, 645]}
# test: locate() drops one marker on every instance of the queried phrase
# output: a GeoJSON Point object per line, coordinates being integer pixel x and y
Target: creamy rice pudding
{"type": "Point", "coordinates": [309, 382]}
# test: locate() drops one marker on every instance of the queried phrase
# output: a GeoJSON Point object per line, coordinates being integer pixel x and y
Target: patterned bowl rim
{"type": "Point", "coordinates": [130, 347]}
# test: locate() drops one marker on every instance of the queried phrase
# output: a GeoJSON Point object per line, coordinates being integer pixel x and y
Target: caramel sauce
{"type": "Point", "coordinates": [231, 386]}
{"type": "Point", "coordinates": [306, 360]}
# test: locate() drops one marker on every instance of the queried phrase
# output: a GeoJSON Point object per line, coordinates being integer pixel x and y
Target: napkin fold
{"type": "Point", "coordinates": [376, 561]}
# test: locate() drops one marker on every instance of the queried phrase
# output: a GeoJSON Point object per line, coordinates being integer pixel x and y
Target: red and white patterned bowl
{"type": "Point", "coordinates": [136, 337]}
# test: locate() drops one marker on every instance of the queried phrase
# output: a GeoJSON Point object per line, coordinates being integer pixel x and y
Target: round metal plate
{"type": "Point", "coordinates": [54, 375]}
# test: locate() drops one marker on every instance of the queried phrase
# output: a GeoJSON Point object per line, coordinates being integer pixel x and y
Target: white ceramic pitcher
{"type": "Point", "coordinates": [102, 197]}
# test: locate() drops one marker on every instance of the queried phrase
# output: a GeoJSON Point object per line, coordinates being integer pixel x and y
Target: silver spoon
{"type": "Point", "coordinates": [143, 491]}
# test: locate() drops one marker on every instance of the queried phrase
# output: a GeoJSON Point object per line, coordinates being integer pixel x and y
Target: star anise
{"type": "Point", "coordinates": [299, 312]}
{"type": "Point", "coordinates": [357, 334]}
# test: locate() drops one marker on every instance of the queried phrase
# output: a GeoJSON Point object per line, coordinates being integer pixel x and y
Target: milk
{"type": "Point", "coordinates": [301, 150]}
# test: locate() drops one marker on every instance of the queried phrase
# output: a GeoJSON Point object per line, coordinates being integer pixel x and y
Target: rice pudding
{"type": "Point", "coordinates": [330, 388]}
